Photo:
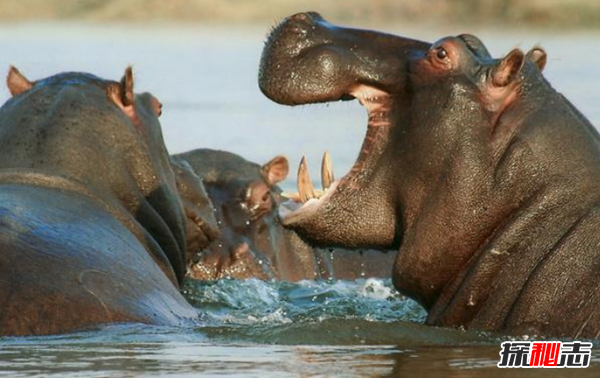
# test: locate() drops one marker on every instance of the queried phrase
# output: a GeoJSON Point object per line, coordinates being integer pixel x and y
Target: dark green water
{"type": "Point", "coordinates": [270, 329]}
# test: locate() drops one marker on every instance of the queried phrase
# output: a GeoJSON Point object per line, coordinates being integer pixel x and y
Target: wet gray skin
{"type": "Point", "coordinates": [253, 243]}
{"type": "Point", "coordinates": [201, 224]}
{"type": "Point", "coordinates": [92, 226]}
{"type": "Point", "coordinates": [484, 177]}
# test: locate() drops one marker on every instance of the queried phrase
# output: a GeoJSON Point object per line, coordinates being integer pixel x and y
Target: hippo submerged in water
{"type": "Point", "coordinates": [92, 227]}
{"type": "Point", "coordinates": [253, 243]}
{"type": "Point", "coordinates": [484, 177]}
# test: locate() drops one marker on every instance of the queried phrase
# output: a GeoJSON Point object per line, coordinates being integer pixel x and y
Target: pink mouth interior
{"type": "Point", "coordinates": [377, 103]}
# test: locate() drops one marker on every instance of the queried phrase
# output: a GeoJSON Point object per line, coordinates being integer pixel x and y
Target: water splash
{"type": "Point", "coordinates": [334, 312]}
{"type": "Point", "coordinates": [241, 302]}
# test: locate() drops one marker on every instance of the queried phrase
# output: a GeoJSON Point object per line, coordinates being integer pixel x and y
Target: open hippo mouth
{"type": "Point", "coordinates": [307, 200]}
{"type": "Point", "coordinates": [307, 60]}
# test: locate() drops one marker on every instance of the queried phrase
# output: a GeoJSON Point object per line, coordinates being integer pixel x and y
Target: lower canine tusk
{"type": "Point", "coordinates": [306, 189]}
{"type": "Point", "coordinates": [326, 171]}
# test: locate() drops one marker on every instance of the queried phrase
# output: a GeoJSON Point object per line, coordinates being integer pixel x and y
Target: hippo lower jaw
{"type": "Point", "coordinates": [291, 211]}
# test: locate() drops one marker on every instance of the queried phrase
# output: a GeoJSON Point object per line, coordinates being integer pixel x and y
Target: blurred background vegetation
{"type": "Point", "coordinates": [520, 13]}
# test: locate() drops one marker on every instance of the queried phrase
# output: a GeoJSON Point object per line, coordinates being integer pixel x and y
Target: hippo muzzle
{"type": "Point", "coordinates": [308, 60]}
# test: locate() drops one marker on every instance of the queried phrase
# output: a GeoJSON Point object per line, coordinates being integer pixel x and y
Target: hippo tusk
{"type": "Point", "coordinates": [306, 190]}
{"type": "Point", "coordinates": [305, 185]}
{"type": "Point", "coordinates": [326, 171]}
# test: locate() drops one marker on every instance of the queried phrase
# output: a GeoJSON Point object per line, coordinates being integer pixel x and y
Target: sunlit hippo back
{"type": "Point", "coordinates": [92, 226]}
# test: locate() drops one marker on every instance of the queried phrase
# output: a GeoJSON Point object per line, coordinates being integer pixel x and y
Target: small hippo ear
{"type": "Point", "coordinates": [537, 56]}
{"type": "Point", "coordinates": [276, 170]}
{"type": "Point", "coordinates": [121, 94]}
{"type": "Point", "coordinates": [507, 70]}
{"type": "Point", "coordinates": [127, 87]}
{"type": "Point", "coordinates": [16, 82]}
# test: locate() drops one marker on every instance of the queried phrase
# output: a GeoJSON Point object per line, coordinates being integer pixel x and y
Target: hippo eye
{"type": "Point", "coordinates": [441, 54]}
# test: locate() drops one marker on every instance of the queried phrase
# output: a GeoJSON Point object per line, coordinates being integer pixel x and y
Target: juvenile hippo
{"type": "Point", "coordinates": [92, 227]}
{"type": "Point", "coordinates": [484, 177]}
{"type": "Point", "coordinates": [253, 244]}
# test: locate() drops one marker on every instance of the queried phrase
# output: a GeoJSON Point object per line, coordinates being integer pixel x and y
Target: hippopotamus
{"type": "Point", "coordinates": [92, 225]}
{"type": "Point", "coordinates": [482, 175]}
{"type": "Point", "coordinates": [253, 243]}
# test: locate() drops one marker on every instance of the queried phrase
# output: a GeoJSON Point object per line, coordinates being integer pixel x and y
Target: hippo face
{"type": "Point", "coordinates": [115, 149]}
{"type": "Point", "coordinates": [414, 92]}
{"type": "Point", "coordinates": [245, 197]}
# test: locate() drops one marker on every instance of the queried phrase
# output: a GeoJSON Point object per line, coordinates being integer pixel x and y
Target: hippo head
{"type": "Point", "coordinates": [426, 105]}
{"type": "Point", "coordinates": [115, 150]}
{"type": "Point", "coordinates": [308, 60]}
{"type": "Point", "coordinates": [245, 196]}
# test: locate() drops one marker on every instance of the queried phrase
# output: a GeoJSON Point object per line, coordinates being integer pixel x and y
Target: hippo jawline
{"type": "Point", "coordinates": [378, 105]}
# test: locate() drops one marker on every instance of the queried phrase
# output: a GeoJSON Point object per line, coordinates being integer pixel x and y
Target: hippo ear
{"type": "Point", "coordinates": [122, 95]}
{"type": "Point", "coordinates": [16, 82]}
{"type": "Point", "coordinates": [127, 87]}
{"type": "Point", "coordinates": [276, 170]}
{"type": "Point", "coordinates": [508, 69]}
{"type": "Point", "coordinates": [537, 56]}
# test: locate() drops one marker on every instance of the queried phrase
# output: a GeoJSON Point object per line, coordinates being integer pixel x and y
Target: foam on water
{"type": "Point", "coordinates": [268, 329]}
{"type": "Point", "coordinates": [235, 302]}
{"type": "Point", "coordinates": [331, 312]}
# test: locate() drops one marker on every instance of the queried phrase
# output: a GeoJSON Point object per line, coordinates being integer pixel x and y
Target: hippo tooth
{"type": "Point", "coordinates": [305, 186]}
{"type": "Point", "coordinates": [326, 171]}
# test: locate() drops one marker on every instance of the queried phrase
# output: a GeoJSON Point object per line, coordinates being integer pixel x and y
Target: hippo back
{"type": "Point", "coordinates": [66, 126]}
{"type": "Point", "coordinates": [91, 223]}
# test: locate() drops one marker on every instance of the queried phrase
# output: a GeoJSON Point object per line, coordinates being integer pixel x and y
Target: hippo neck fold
{"type": "Point", "coordinates": [529, 211]}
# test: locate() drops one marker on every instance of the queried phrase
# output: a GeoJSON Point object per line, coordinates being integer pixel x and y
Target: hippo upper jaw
{"type": "Point", "coordinates": [308, 60]}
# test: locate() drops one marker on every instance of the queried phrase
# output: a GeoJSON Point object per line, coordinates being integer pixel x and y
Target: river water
{"type": "Point", "coordinates": [206, 79]}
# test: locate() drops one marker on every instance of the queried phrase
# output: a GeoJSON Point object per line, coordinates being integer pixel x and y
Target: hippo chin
{"type": "Point", "coordinates": [484, 177]}
{"type": "Point", "coordinates": [92, 226]}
